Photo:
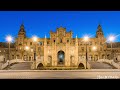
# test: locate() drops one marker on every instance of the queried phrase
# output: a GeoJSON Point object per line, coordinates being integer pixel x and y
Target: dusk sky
{"type": "Point", "coordinates": [40, 23]}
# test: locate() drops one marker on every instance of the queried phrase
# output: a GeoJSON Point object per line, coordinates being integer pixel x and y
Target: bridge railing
{"type": "Point", "coordinates": [11, 62]}
{"type": "Point", "coordinates": [111, 62]}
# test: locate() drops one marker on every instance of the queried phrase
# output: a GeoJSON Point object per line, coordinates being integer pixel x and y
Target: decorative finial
{"type": "Point", "coordinates": [76, 35]}
{"type": "Point", "coordinates": [45, 35]}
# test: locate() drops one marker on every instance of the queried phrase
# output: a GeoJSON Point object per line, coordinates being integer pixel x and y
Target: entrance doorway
{"type": "Point", "coordinates": [81, 66]}
{"type": "Point", "coordinates": [61, 57]}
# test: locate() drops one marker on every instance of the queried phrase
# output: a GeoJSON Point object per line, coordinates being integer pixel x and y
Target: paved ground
{"type": "Point", "coordinates": [61, 74]}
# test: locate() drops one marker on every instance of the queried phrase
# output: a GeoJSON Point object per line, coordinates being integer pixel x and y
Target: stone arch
{"type": "Point", "coordinates": [108, 56]}
{"type": "Point", "coordinates": [96, 57]}
{"type": "Point", "coordinates": [103, 56]}
{"type": "Point", "coordinates": [13, 57]}
{"type": "Point", "coordinates": [40, 66]}
{"type": "Point", "coordinates": [18, 56]}
{"type": "Point", "coordinates": [81, 66]}
{"type": "Point", "coordinates": [61, 57]}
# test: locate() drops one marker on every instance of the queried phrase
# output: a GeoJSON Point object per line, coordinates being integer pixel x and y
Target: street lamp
{"type": "Point", "coordinates": [111, 38]}
{"type": "Point", "coordinates": [9, 40]}
{"type": "Point", "coordinates": [35, 39]}
{"type": "Point", "coordinates": [94, 48]}
{"type": "Point", "coordinates": [86, 39]}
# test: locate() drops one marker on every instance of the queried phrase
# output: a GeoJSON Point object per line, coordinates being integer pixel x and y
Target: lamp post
{"type": "Point", "coordinates": [94, 48]}
{"type": "Point", "coordinates": [111, 39]}
{"type": "Point", "coordinates": [34, 40]}
{"type": "Point", "coordinates": [9, 40]}
{"type": "Point", "coordinates": [86, 38]}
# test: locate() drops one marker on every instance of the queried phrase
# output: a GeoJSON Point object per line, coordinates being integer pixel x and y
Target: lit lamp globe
{"type": "Point", "coordinates": [34, 38]}
{"type": "Point", "coordinates": [86, 38]}
{"type": "Point", "coordinates": [9, 38]}
{"type": "Point", "coordinates": [111, 38]}
{"type": "Point", "coordinates": [26, 48]}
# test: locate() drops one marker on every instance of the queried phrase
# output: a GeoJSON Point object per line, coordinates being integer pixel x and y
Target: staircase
{"type": "Point", "coordinates": [100, 65]}
{"type": "Point", "coordinates": [20, 66]}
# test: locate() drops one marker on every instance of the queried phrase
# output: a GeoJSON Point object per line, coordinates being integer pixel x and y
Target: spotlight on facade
{"type": "Point", "coordinates": [26, 48]}
{"type": "Point", "coordinates": [9, 38]}
{"type": "Point", "coordinates": [35, 38]}
{"type": "Point", "coordinates": [94, 48]}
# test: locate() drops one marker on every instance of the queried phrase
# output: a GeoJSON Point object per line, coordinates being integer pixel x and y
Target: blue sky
{"type": "Point", "coordinates": [41, 22]}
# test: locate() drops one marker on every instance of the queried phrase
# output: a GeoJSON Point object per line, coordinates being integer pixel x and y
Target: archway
{"type": "Point", "coordinates": [81, 66]}
{"type": "Point", "coordinates": [61, 57]}
{"type": "Point", "coordinates": [40, 66]}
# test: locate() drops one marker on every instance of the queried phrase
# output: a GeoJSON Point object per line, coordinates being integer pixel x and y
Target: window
{"type": "Point", "coordinates": [48, 42]}
{"type": "Point", "coordinates": [82, 48]}
{"type": "Point", "coordinates": [12, 56]}
{"type": "Point", "coordinates": [100, 48]}
{"type": "Point", "coordinates": [60, 40]}
{"type": "Point", "coordinates": [89, 49]}
{"type": "Point", "coordinates": [40, 43]}
{"type": "Point", "coordinates": [20, 44]}
{"type": "Point", "coordinates": [90, 43]}
{"type": "Point", "coordinates": [25, 43]}
{"type": "Point", "coordinates": [54, 41]}
{"type": "Point", "coordinates": [30, 43]}
{"type": "Point", "coordinates": [95, 43]}
{"type": "Point", "coordinates": [67, 40]}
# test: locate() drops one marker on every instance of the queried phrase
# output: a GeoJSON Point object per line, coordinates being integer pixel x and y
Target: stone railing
{"type": "Point", "coordinates": [11, 62]}
{"type": "Point", "coordinates": [111, 62]}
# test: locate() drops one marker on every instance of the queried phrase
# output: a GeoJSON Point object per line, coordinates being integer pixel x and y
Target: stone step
{"type": "Point", "coordinates": [20, 66]}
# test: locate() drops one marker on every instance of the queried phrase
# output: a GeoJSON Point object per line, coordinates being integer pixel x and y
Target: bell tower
{"type": "Point", "coordinates": [99, 33]}
{"type": "Point", "coordinates": [21, 37]}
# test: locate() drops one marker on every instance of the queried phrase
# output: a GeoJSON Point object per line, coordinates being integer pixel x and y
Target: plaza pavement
{"type": "Point", "coordinates": [61, 74]}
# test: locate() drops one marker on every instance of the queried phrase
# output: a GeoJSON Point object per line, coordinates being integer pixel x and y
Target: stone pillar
{"type": "Point", "coordinates": [76, 51]}
{"type": "Point", "coordinates": [54, 55]}
{"type": "Point", "coordinates": [67, 55]}
{"type": "Point", "coordinates": [45, 52]}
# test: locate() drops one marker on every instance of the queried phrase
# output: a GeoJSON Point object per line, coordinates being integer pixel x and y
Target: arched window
{"type": "Point", "coordinates": [60, 40]}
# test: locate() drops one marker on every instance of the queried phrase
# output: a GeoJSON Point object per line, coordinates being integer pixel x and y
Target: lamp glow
{"type": "Point", "coordinates": [111, 38]}
{"type": "Point", "coordinates": [27, 48]}
{"type": "Point", "coordinates": [94, 48]}
{"type": "Point", "coordinates": [86, 38]}
{"type": "Point", "coordinates": [9, 38]}
{"type": "Point", "coordinates": [34, 38]}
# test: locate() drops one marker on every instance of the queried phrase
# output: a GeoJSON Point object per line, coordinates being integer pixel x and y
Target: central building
{"type": "Point", "coordinates": [60, 50]}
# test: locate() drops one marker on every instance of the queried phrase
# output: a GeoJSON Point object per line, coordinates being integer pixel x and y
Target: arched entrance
{"type": "Point", "coordinates": [40, 66]}
{"type": "Point", "coordinates": [81, 66]}
{"type": "Point", "coordinates": [61, 57]}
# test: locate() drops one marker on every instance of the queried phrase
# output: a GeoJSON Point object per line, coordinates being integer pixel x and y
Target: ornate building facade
{"type": "Point", "coordinates": [61, 49]}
